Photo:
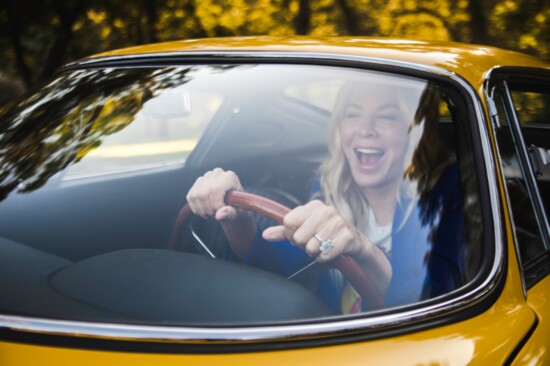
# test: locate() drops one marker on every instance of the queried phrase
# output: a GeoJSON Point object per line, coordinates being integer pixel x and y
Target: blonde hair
{"type": "Point", "coordinates": [431, 156]}
{"type": "Point", "coordinates": [337, 184]}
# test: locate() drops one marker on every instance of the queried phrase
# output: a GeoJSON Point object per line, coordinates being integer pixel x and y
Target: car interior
{"type": "Point", "coordinates": [57, 239]}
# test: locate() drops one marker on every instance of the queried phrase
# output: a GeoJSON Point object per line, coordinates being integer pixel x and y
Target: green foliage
{"type": "Point", "coordinates": [76, 111]}
{"type": "Point", "coordinates": [38, 36]}
{"type": "Point", "coordinates": [523, 25]}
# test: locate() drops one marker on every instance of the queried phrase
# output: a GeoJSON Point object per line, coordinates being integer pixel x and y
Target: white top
{"type": "Point", "coordinates": [377, 234]}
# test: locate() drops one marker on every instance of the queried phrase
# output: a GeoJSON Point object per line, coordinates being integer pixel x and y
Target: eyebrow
{"type": "Point", "coordinates": [382, 108]}
{"type": "Point", "coordinates": [387, 107]}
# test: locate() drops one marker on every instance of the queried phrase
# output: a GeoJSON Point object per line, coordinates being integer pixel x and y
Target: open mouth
{"type": "Point", "coordinates": [368, 158]}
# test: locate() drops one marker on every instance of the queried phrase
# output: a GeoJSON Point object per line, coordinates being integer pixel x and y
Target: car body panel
{"type": "Point", "coordinates": [480, 340]}
{"type": "Point", "coordinates": [469, 61]}
{"type": "Point", "coordinates": [537, 350]}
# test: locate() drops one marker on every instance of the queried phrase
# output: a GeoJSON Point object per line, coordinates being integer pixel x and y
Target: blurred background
{"type": "Point", "coordinates": [38, 36]}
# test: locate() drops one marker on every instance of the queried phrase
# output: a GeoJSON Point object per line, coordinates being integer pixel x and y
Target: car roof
{"type": "Point", "coordinates": [471, 62]}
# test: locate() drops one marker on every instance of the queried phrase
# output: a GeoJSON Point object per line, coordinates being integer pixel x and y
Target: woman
{"type": "Point", "coordinates": [372, 138]}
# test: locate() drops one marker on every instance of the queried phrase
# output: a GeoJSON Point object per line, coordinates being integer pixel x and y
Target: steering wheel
{"type": "Point", "coordinates": [347, 265]}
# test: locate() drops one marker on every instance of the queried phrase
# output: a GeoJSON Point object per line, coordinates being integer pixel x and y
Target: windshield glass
{"type": "Point", "coordinates": [98, 164]}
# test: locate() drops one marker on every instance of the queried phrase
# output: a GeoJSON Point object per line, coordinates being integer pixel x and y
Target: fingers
{"type": "Point", "coordinates": [302, 224]}
{"type": "Point", "coordinates": [226, 213]}
{"type": "Point", "coordinates": [206, 196]}
{"type": "Point", "coordinates": [333, 233]}
{"type": "Point", "coordinates": [274, 233]}
{"type": "Point", "coordinates": [340, 242]}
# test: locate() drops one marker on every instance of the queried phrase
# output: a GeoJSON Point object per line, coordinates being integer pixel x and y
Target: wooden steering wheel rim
{"type": "Point", "coordinates": [347, 265]}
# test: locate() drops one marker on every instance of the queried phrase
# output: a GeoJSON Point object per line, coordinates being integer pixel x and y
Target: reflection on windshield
{"type": "Point", "coordinates": [94, 111]}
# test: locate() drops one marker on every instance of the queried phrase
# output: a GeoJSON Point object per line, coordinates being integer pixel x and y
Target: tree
{"type": "Point", "coordinates": [478, 23]}
{"type": "Point", "coordinates": [53, 22]}
{"type": "Point", "coordinates": [303, 18]}
{"type": "Point", "coordinates": [39, 36]}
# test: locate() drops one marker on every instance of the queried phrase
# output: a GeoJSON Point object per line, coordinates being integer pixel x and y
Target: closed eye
{"type": "Point", "coordinates": [387, 113]}
{"type": "Point", "coordinates": [353, 111]}
{"type": "Point", "coordinates": [390, 117]}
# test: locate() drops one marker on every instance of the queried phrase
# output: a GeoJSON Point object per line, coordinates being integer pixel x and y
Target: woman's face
{"type": "Point", "coordinates": [374, 133]}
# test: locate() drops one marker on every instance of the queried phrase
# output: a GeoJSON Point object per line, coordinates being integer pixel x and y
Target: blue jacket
{"type": "Point", "coordinates": [428, 249]}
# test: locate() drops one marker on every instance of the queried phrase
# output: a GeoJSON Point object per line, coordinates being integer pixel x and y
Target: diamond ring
{"type": "Point", "coordinates": [325, 245]}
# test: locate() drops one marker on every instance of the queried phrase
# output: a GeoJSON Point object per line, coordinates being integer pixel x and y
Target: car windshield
{"type": "Point", "coordinates": [96, 167]}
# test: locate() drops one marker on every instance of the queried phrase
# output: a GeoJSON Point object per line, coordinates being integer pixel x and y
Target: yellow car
{"type": "Point", "coordinates": [434, 156]}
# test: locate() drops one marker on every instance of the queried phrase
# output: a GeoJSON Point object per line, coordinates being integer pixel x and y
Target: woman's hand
{"type": "Point", "coordinates": [310, 225]}
{"type": "Point", "coordinates": [206, 198]}
{"type": "Point", "coordinates": [305, 226]}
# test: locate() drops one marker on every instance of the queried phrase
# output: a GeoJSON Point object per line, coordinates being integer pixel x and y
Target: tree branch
{"type": "Point", "coordinates": [303, 18]}
{"type": "Point", "coordinates": [349, 17]}
{"type": "Point", "coordinates": [67, 16]}
{"type": "Point", "coordinates": [478, 23]}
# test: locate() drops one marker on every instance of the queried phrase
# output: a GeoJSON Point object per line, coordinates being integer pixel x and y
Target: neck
{"type": "Point", "coordinates": [382, 200]}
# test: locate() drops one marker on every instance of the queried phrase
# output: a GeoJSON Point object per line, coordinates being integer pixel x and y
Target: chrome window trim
{"type": "Point", "coordinates": [301, 331]}
{"type": "Point", "coordinates": [522, 151]}
{"type": "Point", "coordinates": [493, 115]}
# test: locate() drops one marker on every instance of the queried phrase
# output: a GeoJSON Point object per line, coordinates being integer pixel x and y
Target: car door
{"type": "Point", "coordinates": [519, 101]}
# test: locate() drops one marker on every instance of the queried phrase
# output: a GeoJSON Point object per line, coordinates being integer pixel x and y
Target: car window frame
{"type": "Point", "coordinates": [475, 297]}
{"type": "Point", "coordinates": [500, 78]}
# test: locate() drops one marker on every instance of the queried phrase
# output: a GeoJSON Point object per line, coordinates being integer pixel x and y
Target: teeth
{"type": "Point", "coordinates": [369, 151]}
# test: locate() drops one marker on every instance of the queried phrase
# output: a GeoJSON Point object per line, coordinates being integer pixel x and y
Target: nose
{"type": "Point", "coordinates": [368, 129]}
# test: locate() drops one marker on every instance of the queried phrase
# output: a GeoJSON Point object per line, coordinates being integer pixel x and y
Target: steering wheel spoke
{"type": "Point", "coordinates": [362, 283]}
